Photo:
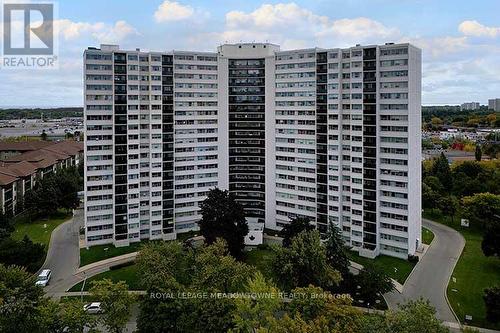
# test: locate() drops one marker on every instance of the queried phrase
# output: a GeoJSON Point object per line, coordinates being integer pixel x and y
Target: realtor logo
{"type": "Point", "coordinates": [28, 35]}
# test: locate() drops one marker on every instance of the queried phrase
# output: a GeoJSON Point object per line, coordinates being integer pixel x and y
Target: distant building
{"type": "Point", "coordinates": [470, 106]}
{"type": "Point", "coordinates": [23, 163]}
{"type": "Point", "coordinates": [494, 104]}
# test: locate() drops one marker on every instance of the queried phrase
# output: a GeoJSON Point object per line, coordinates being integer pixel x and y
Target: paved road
{"type": "Point", "coordinates": [430, 277]}
{"type": "Point", "coordinates": [60, 287]}
{"type": "Point", "coordinates": [63, 256]}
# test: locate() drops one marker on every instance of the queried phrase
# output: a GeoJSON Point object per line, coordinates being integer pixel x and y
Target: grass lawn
{"type": "Point", "coordinates": [127, 274]}
{"type": "Point", "coordinates": [181, 237]}
{"type": "Point", "coordinates": [474, 272]}
{"type": "Point", "coordinates": [101, 252]}
{"type": "Point", "coordinates": [396, 268]}
{"type": "Point", "coordinates": [261, 259]}
{"type": "Point", "coordinates": [427, 236]}
{"type": "Point", "coordinates": [39, 231]}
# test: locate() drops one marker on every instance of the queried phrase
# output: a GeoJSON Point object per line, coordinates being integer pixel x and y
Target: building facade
{"type": "Point", "coordinates": [328, 134]}
{"type": "Point", "coordinates": [470, 106]}
{"type": "Point", "coordinates": [494, 104]}
{"type": "Point", "coordinates": [22, 164]}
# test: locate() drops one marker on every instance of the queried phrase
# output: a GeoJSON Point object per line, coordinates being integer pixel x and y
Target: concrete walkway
{"type": "Point", "coordinates": [57, 289]}
{"type": "Point", "coordinates": [431, 275]}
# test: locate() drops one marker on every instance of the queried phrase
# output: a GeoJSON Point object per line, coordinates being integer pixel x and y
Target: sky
{"type": "Point", "coordinates": [460, 39]}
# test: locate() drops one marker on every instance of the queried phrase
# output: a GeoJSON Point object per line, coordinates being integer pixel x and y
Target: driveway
{"type": "Point", "coordinates": [431, 275]}
{"type": "Point", "coordinates": [63, 256]}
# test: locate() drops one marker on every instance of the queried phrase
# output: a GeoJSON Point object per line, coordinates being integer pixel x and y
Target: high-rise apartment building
{"type": "Point", "coordinates": [471, 106]}
{"type": "Point", "coordinates": [494, 104]}
{"type": "Point", "coordinates": [328, 134]}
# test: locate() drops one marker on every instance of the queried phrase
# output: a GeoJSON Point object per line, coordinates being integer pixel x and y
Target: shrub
{"type": "Point", "coordinates": [413, 259]}
{"type": "Point", "coordinates": [125, 264]}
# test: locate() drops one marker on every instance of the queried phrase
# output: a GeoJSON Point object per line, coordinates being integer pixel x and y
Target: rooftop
{"type": "Point", "coordinates": [34, 157]}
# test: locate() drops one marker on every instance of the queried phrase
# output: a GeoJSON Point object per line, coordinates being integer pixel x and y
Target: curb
{"type": "Point", "coordinates": [419, 259]}
{"type": "Point", "coordinates": [446, 289]}
{"type": "Point", "coordinates": [125, 257]}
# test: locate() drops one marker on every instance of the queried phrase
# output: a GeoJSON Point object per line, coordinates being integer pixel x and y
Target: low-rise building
{"type": "Point", "coordinates": [23, 163]}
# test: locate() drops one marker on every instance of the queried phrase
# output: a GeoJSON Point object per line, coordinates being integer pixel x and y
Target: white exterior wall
{"type": "Point", "coordinates": [196, 118]}
{"type": "Point", "coordinates": [98, 149]}
{"type": "Point", "coordinates": [201, 141]}
{"type": "Point", "coordinates": [404, 233]}
{"type": "Point", "coordinates": [295, 137]}
{"type": "Point", "coordinates": [345, 144]}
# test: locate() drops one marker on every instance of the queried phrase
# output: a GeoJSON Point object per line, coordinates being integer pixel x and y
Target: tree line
{"type": "Point", "coordinates": [433, 117]}
{"type": "Point", "coordinates": [36, 113]}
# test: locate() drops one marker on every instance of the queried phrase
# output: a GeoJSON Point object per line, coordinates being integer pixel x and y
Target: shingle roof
{"type": "Point", "coordinates": [6, 178]}
{"type": "Point", "coordinates": [25, 164]}
{"type": "Point", "coordinates": [24, 145]}
{"type": "Point", "coordinates": [66, 147]}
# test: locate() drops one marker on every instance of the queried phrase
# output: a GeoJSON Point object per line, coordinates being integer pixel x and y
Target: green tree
{"type": "Point", "coordinates": [67, 317]}
{"type": "Point", "coordinates": [310, 302]}
{"type": "Point", "coordinates": [478, 154]}
{"type": "Point", "coordinates": [20, 301]}
{"type": "Point", "coordinates": [429, 197]}
{"type": "Point", "coordinates": [170, 268]}
{"type": "Point", "coordinates": [414, 316]}
{"type": "Point", "coordinates": [296, 324]}
{"type": "Point", "coordinates": [371, 283]}
{"type": "Point", "coordinates": [22, 253]}
{"type": "Point", "coordinates": [436, 121]}
{"type": "Point", "coordinates": [202, 315]}
{"type": "Point", "coordinates": [304, 262]}
{"type": "Point", "coordinates": [492, 301]}
{"type": "Point", "coordinates": [295, 227]}
{"type": "Point", "coordinates": [164, 264]}
{"type": "Point", "coordinates": [252, 313]}
{"type": "Point", "coordinates": [481, 208]}
{"type": "Point", "coordinates": [44, 198]}
{"type": "Point", "coordinates": [115, 302]}
{"type": "Point", "coordinates": [492, 150]}
{"type": "Point", "coordinates": [441, 170]}
{"type": "Point", "coordinates": [490, 244]}
{"type": "Point", "coordinates": [336, 250]}
{"type": "Point", "coordinates": [316, 310]}
{"type": "Point", "coordinates": [216, 270]}
{"type": "Point", "coordinates": [157, 314]}
{"type": "Point", "coordinates": [68, 187]}
{"type": "Point", "coordinates": [223, 217]}
{"type": "Point", "coordinates": [434, 183]}
{"type": "Point", "coordinates": [448, 205]}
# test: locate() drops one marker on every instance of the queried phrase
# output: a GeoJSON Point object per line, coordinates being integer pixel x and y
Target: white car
{"type": "Point", "coordinates": [93, 308]}
{"type": "Point", "coordinates": [43, 278]}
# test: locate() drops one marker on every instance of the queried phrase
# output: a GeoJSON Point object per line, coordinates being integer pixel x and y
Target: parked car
{"type": "Point", "coordinates": [93, 308]}
{"type": "Point", "coordinates": [43, 278]}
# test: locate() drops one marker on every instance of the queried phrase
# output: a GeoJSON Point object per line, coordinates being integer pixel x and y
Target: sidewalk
{"type": "Point", "coordinates": [121, 259]}
{"type": "Point", "coordinates": [85, 272]}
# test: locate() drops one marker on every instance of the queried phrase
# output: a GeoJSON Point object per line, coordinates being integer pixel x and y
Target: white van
{"type": "Point", "coordinates": [43, 278]}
